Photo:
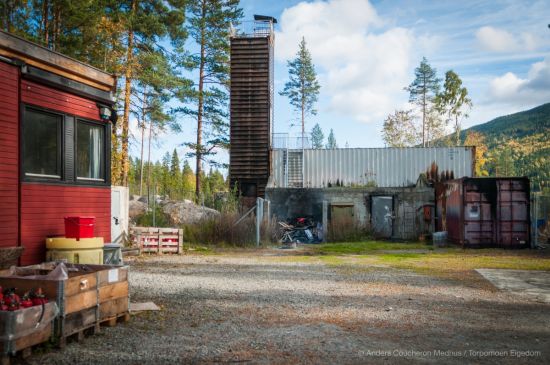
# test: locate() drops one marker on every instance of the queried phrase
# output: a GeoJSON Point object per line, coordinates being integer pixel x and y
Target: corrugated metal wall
{"type": "Point", "coordinates": [382, 167]}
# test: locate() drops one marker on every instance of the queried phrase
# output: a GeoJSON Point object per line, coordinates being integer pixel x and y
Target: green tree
{"type": "Point", "coordinates": [146, 23]}
{"type": "Point", "coordinates": [453, 102]}
{"type": "Point", "coordinates": [422, 92]}
{"type": "Point", "coordinates": [14, 16]}
{"type": "Point", "coordinates": [477, 140]}
{"type": "Point", "coordinates": [317, 137]}
{"type": "Point", "coordinates": [209, 23]}
{"type": "Point", "coordinates": [175, 175]}
{"type": "Point", "coordinates": [187, 180]}
{"type": "Point", "coordinates": [164, 178]}
{"type": "Point", "coordinates": [302, 89]}
{"type": "Point", "coordinates": [331, 140]}
{"type": "Point", "coordinates": [399, 129]}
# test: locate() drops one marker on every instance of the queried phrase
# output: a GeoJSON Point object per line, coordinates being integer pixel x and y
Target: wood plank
{"type": "Point", "coordinates": [80, 283]}
{"type": "Point", "coordinates": [80, 320]}
{"type": "Point", "coordinates": [44, 58]}
{"type": "Point", "coordinates": [113, 308]}
{"type": "Point", "coordinates": [103, 276]}
{"type": "Point", "coordinates": [37, 337]}
{"type": "Point", "coordinates": [80, 301]}
{"type": "Point", "coordinates": [113, 291]}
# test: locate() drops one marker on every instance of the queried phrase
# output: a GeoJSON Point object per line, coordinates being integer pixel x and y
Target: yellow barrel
{"type": "Point", "coordinates": [85, 251]}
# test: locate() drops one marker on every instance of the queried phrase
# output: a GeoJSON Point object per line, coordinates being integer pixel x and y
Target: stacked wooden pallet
{"type": "Point", "coordinates": [158, 240]}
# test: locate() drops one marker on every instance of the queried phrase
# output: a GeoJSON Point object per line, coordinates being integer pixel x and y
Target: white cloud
{"type": "Point", "coordinates": [362, 67]}
{"type": "Point", "coordinates": [532, 90]}
{"type": "Point", "coordinates": [499, 40]}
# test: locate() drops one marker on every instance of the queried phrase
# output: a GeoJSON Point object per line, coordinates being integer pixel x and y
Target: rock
{"type": "Point", "coordinates": [134, 197]}
{"type": "Point", "coordinates": [187, 212]}
{"type": "Point", "coordinates": [136, 208]}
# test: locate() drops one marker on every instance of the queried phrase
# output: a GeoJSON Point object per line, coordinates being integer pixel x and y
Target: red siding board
{"type": "Point", "coordinates": [9, 172]}
{"type": "Point", "coordinates": [35, 94]}
{"type": "Point", "coordinates": [43, 208]}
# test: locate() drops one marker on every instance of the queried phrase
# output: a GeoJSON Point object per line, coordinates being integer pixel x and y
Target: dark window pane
{"type": "Point", "coordinates": [41, 144]}
{"type": "Point", "coordinates": [89, 151]}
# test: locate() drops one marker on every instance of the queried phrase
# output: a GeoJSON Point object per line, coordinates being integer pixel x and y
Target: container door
{"type": "Point", "coordinates": [478, 218]}
{"type": "Point", "coordinates": [513, 213]}
{"type": "Point", "coordinates": [382, 216]}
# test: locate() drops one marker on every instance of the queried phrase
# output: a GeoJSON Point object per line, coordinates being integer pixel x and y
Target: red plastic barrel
{"type": "Point", "coordinates": [79, 227]}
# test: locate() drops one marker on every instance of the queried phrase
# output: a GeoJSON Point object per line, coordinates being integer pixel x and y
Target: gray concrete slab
{"type": "Point", "coordinates": [527, 283]}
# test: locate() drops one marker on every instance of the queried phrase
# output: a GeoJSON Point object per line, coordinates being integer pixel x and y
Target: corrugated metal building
{"type": "Point", "coordinates": [356, 167]}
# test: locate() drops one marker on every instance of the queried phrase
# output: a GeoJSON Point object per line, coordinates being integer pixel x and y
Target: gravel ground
{"type": "Point", "coordinates": [260, 309]}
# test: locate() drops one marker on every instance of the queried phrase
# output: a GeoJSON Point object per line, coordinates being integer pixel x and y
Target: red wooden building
{"type": "Point", "coordinates": [55, 129]}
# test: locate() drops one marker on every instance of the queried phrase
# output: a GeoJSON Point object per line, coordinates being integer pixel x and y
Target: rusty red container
{"type": "Point", "coordinates": [485, 212]}
{"type": "Point", "coordinates": [79, 227]}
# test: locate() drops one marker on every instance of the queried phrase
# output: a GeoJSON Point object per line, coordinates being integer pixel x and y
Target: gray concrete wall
{"type": "Point", "coordinates": [408, 224]}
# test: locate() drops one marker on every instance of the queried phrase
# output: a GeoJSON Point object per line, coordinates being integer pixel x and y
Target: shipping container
{"type": "Point", "coordinates": [380, 167]}
{"type": "Point", "coordinates": [485, 212]}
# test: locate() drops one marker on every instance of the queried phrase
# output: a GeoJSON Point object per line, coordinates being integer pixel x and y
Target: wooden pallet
{"type": "Point", "coordinates": [158, 240]}
{"type": "Point", "coordinates": [78, 335]}
{"type": "Point", "coordinates": [112, 321]}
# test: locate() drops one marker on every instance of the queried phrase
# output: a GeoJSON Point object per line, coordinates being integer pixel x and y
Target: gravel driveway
{"type": "Point", "coordinates": [260, 309]}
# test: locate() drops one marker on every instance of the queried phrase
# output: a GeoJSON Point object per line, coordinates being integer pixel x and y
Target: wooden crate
{"type": "Point", "coordinates": [158, 240]}
{"type": "Point", "coordinates": [85, 299]}
{"type": "Point", "coordinates": [26, 325]}
{"type": "Point", "coordinates": [113, 294]}
{"type": "Point", "coordinates": [76, 297]}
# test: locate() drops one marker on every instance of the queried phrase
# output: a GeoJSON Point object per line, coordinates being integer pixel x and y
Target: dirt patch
{"type": "Point", "coordinates": [257, 309]}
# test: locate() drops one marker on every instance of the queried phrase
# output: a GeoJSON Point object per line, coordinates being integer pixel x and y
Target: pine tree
{"type": "Point", "coordinates": [147, 22]}
{"type": "Point", "coordinates": [14, 17]}
{"type": "Point", "coordinates": [187, 180]}
{"type": "Point", "coordinates": [209, 26]}
{"type": "Point", "coordinates": [422, 92]}
{"type": "Point", "coordinates": [302, 89]}
{"type": "Point", "coordinates": [331, 140]}
{"type": "Point", "coordinates": [454, 102]}
{"type": "Point", "coordinates": [164, 181]}
{"type": "Point", "coordinates": [317, 137]}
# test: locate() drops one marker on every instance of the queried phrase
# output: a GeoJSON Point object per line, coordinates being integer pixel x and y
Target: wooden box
{"type": "Point", "coordinates": [113, 292]}
{"type": "Point", "coordinates": [91, 294]}
{"type": "Point", "coordinates": [24, 328]}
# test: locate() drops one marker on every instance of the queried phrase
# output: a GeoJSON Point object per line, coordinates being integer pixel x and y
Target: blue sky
{"type": "Point", "coordinates": [365, 53]}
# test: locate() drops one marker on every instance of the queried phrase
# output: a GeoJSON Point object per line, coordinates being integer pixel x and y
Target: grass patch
{"type": "Point", "coordinates": [397, 257]}
{"type": "Point", "coordinates": [449, 262]}
{"type": "Point", "coordinates": [197, 249]}
{"type": "Point", "coordinates": [358, 248]}
{"type": "Point", "coordinates": [333, 260]}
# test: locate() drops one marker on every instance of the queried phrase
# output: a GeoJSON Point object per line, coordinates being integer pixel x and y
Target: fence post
{"type": "Point", "coordinates": [325, 220]}
{"type": "Point", "coordinates": [534, 244]}
{"type": "Point", "coordinates": [268, 211]}
{"type": "Point", "coordinates": [259, 218]}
